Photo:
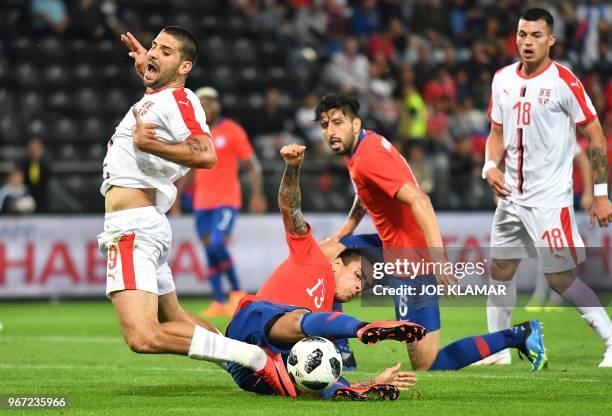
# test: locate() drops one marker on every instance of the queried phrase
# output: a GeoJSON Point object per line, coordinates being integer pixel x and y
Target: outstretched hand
{"type": "Point", "coordinates": [401, 379]}
{"type": "Point", "coordinates": [137, 52]}
{"type": "Point", "coordinates": [293, 154]}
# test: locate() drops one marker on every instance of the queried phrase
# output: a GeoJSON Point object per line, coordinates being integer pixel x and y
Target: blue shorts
{"type": "Point", "coordinates": [423, 310]}
{"type": "Point", "coordinates": [217, 223]}
{"type": "Point", "coordinates": [251, 324]}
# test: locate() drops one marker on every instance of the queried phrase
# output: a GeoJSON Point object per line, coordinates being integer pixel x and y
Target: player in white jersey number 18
{"type": "Point", "coordinates": [535, 107]}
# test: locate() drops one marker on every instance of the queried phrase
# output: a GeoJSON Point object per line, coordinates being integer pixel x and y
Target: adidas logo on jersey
{"type": "Point", "coordinates": [385, 143]}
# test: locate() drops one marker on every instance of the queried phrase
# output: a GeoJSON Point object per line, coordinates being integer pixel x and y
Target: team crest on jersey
{"type": "Point", "coordinates": [145, 107]}
{"type": "Point", "coordinates": [544, 95]}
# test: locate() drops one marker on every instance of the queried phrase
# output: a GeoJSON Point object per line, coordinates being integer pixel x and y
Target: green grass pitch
{"type": "Point", "coordinates": [74, 349]}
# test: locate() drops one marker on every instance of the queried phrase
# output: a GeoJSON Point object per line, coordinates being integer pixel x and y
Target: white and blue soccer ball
{"type": "Point", "coordinates": [314, 364]}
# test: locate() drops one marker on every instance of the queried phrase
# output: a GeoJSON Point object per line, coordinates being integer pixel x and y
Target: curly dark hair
{"type": "Point", "coordinates": [337, 100]}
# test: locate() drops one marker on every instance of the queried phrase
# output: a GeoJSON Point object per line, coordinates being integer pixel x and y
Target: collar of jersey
{"type": "Point", "coordinates": [161, 89]}
{"type": "Point", "coordinates": [520, 74]}
{"type": "Point", "coordinates": [359, 139]}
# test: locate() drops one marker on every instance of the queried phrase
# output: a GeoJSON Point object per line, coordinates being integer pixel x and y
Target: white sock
{"type": "Point", "coordinates": [209, 346]}
{"type": "Point", "coordinates": [499, 308]}
{"type": "Point", "coordinates": [587, 304]}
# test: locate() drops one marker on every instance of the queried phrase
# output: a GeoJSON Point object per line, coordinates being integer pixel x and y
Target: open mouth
{"type": "Point", "coordinates": [528, 53]}
{"type": "Point", "coordinates": [335, 142]}
{"type": "Point", "coordinates": [151, 71]}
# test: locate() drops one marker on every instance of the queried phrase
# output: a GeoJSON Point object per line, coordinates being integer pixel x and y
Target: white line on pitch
{"type": "Point", "coordinates": [110, 368]}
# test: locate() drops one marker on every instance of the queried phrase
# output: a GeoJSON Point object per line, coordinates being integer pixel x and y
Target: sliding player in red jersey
{"type": "Point", "coordinates": [296, 301]}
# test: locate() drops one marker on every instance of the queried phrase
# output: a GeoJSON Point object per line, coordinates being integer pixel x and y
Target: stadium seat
{"type": "Point", "coordinates": [58, 102]}
{"type": "Point", "coordinates": [87, 100]}
{"type": "Point", "coordinates": [114, 100]}
{"type": "Point", "coordinates": [27, 75]}
{"type": "Point", "coordinates": [36, 127]}
{"type": "Point", "coordinates": [55, 76]}
{"type": "Point", "coordinates": [82, 74]}
{"type": "Point", "coordinates": [49, 49]}
{"type": "Point", "coordinates": [7, 102]}
{"type": "Point", "coordinates": [223, 79]}
{"type": "Point", "coordinates": [63, 130]}
{"type": "Point", "coordinates": [215, 50]}
{"type": "Point", "coordinates": [243, 53]}
{"type": "Point", "coordinates": [31, 104]}
{"type": "Point", "coordinates": [5, 72]}
{"type": "Point", "coordinates": [94, 130]}
{"type": "Point", "coordinates": [10, 131]}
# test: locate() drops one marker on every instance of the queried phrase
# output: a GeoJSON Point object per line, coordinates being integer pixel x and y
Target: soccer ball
{"type": "Point", "coordinates": [314, 364]}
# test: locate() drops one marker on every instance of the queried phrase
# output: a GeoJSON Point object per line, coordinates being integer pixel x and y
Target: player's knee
{"type": "Point", "coordinates": [502, 271]}
{"type": "Point", "coordinates": [141, 341]}
{"type": "Point", "coordinates": [206, 240]}
{"type": "Point", "coordinates": [560, 282]}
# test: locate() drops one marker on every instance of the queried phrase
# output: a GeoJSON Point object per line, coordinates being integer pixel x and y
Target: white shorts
{"type": "Point", "coordinates": [136, 243]}
{"type": "Point", "coordinates": [548, 233]}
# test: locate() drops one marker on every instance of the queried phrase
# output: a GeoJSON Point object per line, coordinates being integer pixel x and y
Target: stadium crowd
{"type": "Point", "coordinates": [421, 70]}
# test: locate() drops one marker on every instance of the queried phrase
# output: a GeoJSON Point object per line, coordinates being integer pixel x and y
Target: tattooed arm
{"type": "Point", "coordinates": [289, 194]}
{"type": "Point", "coordinates": [601, 209]}
{"type": "Point", "coordinates": [195, 152]}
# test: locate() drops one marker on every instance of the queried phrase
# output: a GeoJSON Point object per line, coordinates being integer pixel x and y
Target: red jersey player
{"type": "Point", "coordinates": [217, 198]}
{"type": "Point", "coordinates": [407, 227]}
{"type": "Point", "coordinates": [296, 300]}
{"type": "Point", "coordinates": [535, 107]}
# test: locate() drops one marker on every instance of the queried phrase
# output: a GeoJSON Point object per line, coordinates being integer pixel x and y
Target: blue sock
{"type": "Point", "coordinates": [214, 277]}
{"type": "Point", "coordinates": [341, 343]}
{"type": "Point", "coordinates": [330, 325]}
{"type": "Point", "coordinates": [227, 265]}
{"type": "Point", "coordinates": [215, 282]}
{"type": "Point", "coordinates": [468, 350]}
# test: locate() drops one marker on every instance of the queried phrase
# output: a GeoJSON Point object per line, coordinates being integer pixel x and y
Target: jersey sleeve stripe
{"type": "Point", "coordinates": [187, 112]}
{"type": "Point", "coordinates": [578, 90]}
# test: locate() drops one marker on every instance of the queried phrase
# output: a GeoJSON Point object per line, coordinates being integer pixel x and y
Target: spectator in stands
{"type": "Point", "coordinates": [367, 19]}
{"type": "Point", "coordinates": [35, 171]}
{"type": "Point", "coordinates": [310, 24]}
{"type": "Point", "coordinates": [272, 125]}
{"type": "Point", "coordinates": [461, 175]}
{"type": "Point", "coordinates": [49, 15]}
{"type": "Point", "coordinates": [87, 18]}
{"type": "Point", "coordinates": [420, 167]}
{"type": "Point", "coordinates": [14, 196]}
{"type": "Point", "coordinates": [348, 70]}
{"type": "Point", "coordinates": [308, 129]}
{"type": "Point", "coordinates": [413, 112]}
{"type": "Point", "coordinates": [594, 19]}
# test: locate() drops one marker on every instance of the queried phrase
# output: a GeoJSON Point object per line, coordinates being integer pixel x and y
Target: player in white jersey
{"type": "Point", "coordinates": [534, 108]}
{"type": "Point", "coordinates": [163, 135]}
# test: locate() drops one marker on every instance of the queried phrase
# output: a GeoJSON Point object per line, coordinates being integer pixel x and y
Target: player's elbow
{"type": "Point", "coordinates": [206, 161]}
{"type": "Point", "coordinates": [418, 200]}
